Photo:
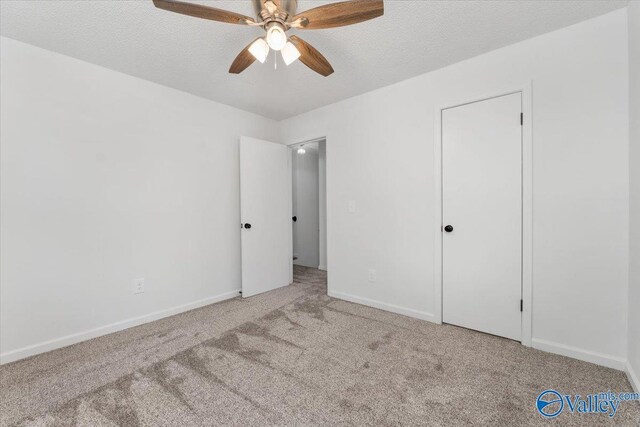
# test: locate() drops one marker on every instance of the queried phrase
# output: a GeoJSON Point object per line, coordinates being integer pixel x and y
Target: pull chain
{"type": "Point", "coordinates": [275, 61]}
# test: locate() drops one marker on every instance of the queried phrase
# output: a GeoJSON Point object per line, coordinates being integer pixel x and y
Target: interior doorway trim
{"type": "Point", "coordinates": [293, 146]}
{"type": "Point", "coordinates": [309, 141]}
{"type": "Point", "coordinates": [527, 199]}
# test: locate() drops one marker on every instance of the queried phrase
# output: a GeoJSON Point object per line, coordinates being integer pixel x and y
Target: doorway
{"type": "Point", "coordinates": [482, 215]}
{"type": "Point", "coordinates": [309, 204]}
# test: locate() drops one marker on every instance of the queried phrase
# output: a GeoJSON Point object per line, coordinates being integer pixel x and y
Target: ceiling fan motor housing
{"type": "Point", "coordinates": [287, 6]}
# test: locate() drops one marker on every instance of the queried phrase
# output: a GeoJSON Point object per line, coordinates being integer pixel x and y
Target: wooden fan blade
{"type": "Point", "coordinates": [310, 57]}
{"type": "Point", "coordinates": [243, 60]}
{"type": "Point", "coordinates": [205, 12]}
{"type": "Point", "coordinates": [340, 14]}
{"type": "Point", "coordinates": [299, 23]}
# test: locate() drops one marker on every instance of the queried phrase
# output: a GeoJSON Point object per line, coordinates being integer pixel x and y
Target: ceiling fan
{"type": "Point", "coordinates": [276, 17]}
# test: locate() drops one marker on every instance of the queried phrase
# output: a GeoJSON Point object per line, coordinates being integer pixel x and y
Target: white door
{"type": "Point", "coordinates": [482, 215]}
{"type": "Point", "coordinates": [265, 215]}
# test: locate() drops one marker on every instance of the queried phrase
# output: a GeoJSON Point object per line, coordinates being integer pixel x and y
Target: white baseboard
{"type": "Point", "coordinates": [322, 267]}
{"type": "Point", "coordinates": [32, 350]}
{"type": "Point", "coordinates": [577, 353]}
{"type": "Point", "coordinates": [423, 315]}
{"type": "Point", "coordinates": [633, 378]}
{"type": "Point", "coordinates": [607, 360]}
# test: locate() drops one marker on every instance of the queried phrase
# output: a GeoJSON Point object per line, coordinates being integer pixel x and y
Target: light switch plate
{"type": "Point", "coordinates": [373, 275]}
{"type": "Point", "coordinates": [138, 286]}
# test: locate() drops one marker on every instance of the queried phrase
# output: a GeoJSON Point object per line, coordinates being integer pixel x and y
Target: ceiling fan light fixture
{"type": "Point", "coordinates": [290, 53]}
{"type": "Point", "coordinates": [276, 17]}
{"type": "Point", "coordinates": [276, 36]}
{"type": "Point", "coordinates": [259, 49]}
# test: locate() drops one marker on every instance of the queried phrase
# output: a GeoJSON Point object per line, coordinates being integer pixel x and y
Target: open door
{"type": "Point", "coordinates": [265, 216]}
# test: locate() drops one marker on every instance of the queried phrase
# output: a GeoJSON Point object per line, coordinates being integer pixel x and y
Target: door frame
{"type": "Point", "coordinates": [527, 199]}
{"type": "Point", "coordinates": [318, 139]}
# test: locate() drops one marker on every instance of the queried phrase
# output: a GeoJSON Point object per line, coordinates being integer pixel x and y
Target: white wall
{"type": "Point", "coordinates": [380, 154]}
{"type": "Point", "coordinates": [634, 179]}
{"type": "Point", "coordinates": [100, 170]}
{"type": "Point", "coordinates": [106, 178]}
{"type": "Point", "coordinates": [306, 244]}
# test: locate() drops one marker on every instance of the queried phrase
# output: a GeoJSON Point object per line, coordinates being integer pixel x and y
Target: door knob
{"type": "Point", "coordinates": [448, 228]}
{"type": "Point", "coordinates": [295, 218]}
{"type": "Point", "coordinates": [247, 226]}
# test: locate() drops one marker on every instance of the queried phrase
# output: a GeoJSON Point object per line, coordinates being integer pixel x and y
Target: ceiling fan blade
{"type": "Point", "coordinates": [310, 57]}
{"type": "Point", "coordinates": [243, 60]}
{"type": "Point", "coordinates": [301, 23]}
{"type": "Point", "coordinates": [205, 12]}
{"type": "Point", "coordinates": [340, 14]}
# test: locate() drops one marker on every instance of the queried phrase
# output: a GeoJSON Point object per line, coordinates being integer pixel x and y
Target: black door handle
{"type": "Point", "coordinates": [247, 226]}
{"type": "Point", "coordinates": [295, 218]}
{"type": "Point", "coordinates": [448, 228]}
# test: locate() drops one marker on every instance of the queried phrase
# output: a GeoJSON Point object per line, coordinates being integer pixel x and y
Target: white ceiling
{"type": "Point", "coordinates": [194, 55]}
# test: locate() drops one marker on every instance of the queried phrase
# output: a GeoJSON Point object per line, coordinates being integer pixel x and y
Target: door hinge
{"type": "Point", "coordinates": [521, 305]}
{"type": "Point", "coordinates": [521, 119]}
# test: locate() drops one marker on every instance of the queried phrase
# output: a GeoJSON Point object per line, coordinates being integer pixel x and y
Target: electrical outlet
{"type": "Point", "coordinates": [373, 275]}
{"type": "Point", "coordinates": [138, 286]}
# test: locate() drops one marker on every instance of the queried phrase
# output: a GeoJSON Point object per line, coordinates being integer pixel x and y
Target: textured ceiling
{"type": "Point", "coordinates": [193, 55]}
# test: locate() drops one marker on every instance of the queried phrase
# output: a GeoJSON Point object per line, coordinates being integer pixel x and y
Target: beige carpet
{"type": "Point", "coordinates": [297, 357]}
